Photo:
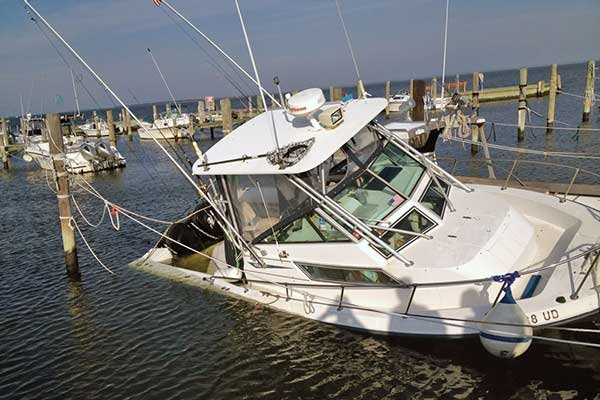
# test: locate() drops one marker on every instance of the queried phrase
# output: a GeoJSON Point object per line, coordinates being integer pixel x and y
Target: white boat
{"type": "Point", "coordinates": [346, 224]}
{"type": "Point", "coordinates": [95, 128]}
{"type": "Point", "coordinates": [81, 155]}
{"type": "Point", "coordinates": [401, 102]}
{"type": "Point", "coordinates": [169, 125]}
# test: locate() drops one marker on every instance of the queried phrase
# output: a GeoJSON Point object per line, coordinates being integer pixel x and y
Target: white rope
{"type": "Point", "coordinates": [545, 127]}
{"type": "Point", "coordinates": [587, 156]}
{"type": "Point", "coordinates": [74, 223]}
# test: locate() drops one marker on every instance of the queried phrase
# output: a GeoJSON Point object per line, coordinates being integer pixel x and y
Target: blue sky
{"type": "Point", "coordinates": [300, 41]}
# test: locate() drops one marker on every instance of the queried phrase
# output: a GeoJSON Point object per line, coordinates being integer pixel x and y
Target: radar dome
{"type": "Point", "coordinates": [306, 102]}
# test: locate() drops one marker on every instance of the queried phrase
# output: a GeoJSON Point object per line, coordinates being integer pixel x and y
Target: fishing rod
{"type": "Point", "coordinates": [361, 86]}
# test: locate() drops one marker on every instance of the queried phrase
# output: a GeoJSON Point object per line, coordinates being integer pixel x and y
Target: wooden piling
{"type": "Point", "coordinates": [522, 104]}
{"type": "Point", "coordinates": [259, 104]}
{"type": "Point", "coordinates": [201, 112]}
{"type": "Point", "coordinates": [128, 125]}
{"type": "Point", "coordinates": [552, 98]}
{"type": "Point", "coordinates": [433, 90]}
{"type": "Point", "coordinates": [227, 116]}
{"type": "Point", "coordinates": [475, 115]}
{"type": "Point", "coordinates": [154, 112]}
{"type": "Point", "coordinates": [112, 136]}
{"type": "Point", "coordinates": [388, 90]}
{"type": "Point", "coordinates": [411, 85]}
{"type": "Point", "coordinates": [331, 93]}
{"type": "Point", "coordinates": [418, 92]}
{"type": "Point", "coordinates": [4, 144]}
{"type": "Point", "coordinates": [360, 89]}
{"type": "Point", "coordinates": [250, 104]}
{"type": "Point", "coordinates": [63, 195]}
{"type": "Point", "coordinates": [212, 133]}
{"type": "Point", "coordinates": [589, 90]}
{"type": "Point", "coordinates": [558, 84]}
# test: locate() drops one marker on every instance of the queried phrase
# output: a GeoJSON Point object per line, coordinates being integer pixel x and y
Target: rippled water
{"type": "Point", "coordinates": [132, 335]}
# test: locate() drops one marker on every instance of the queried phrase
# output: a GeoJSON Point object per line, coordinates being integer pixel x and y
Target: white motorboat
{"type": "Point", "coordinates": [95, 128]}
{"type": "Point", "coordinates": [170, 125]}
{"type": "Point", "coordinates": [81, 155]}
{"type": "Point", "coordinates": [401, 102]}
{"type": "Point", "coordinates": [347, 224]}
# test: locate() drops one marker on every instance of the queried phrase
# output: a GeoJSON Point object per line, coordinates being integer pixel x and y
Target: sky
{"type": "Point", "coordinates": [300, 41]}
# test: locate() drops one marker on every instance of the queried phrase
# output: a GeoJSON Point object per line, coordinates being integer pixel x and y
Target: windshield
{"type": "Point", "coordinates": [384, 182]}
{"type": "Point", "coordinates": [262, 201]}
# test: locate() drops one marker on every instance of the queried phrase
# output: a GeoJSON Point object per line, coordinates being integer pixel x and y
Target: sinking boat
{"type": "Point", "coordinates": [345, 223]}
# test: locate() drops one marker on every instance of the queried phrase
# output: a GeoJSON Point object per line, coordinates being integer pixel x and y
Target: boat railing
{"type": "Point", "coordinates": [514, 164]}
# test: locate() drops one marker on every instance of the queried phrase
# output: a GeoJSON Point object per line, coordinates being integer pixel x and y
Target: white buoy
{"type": "Point", "coordinates": [506, 341]}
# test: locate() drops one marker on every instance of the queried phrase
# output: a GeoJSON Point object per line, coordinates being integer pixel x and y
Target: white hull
{"type": "Point", "coordinates": [437, 309]}
{"type": "Point", "coordinates": [163, 133]}
{"type": "Point", "coordinates": [76, 163]}
{"type": "Point", "coordinates": [95, 132]}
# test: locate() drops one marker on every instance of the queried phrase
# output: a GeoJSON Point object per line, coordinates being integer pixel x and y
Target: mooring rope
{"type": "Point", "coordinates": [545, 127]}
{"type": "Point", "coordinates": [73, 223]}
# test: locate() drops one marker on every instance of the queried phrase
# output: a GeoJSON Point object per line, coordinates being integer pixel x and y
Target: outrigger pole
{"type": "Point", "coordinates": [200, 191]}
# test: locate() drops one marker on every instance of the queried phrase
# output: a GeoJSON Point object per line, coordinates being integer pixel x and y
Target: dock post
{"type": "Point", "coordinates": [552, 98]}
{"type": "Point", "coordinates": [388, 90]}
{"type": "Point", "coordinates": [259, 104]}
{"type": "Point", "coordinates": [212, 133]}
{"type": "Point", "coordinates": [63, 195]}
{"type": "Point", "coordinates": [250, 110]}
{"type": "Point", "coordinates": [360, 89]}
{"type": "Point", "coordinates": [154, 112]}
{"type": "Point", "coordinates": [128, 123]}
{"type": "Point", "coordinates": [97, 124]}
{"type": "Point", "coordinates": [227, 116]}
{"type": "Point", "coordinates": [411, 88]}
{"type": "Point", "coordinates": [589, 90]}
{"type": "Point", "coordinates": [433, 91]}
{"type": "Point", "coordinates": [331, 93]}
{"type": "Point", "coordinates": [4, 144]}
{"type": "Point", "coordinates": [201, 112]}
{"type": "Point", "coordinates": [475, 115]}
{"type": "Point", "coordinates": [558, 84]}
{"type": "Point", "coordinates": [112, 136]}
{"type": "Point", "coordinates": [418, 91]}
{"type": "Point", "coordinates": [522, 104]}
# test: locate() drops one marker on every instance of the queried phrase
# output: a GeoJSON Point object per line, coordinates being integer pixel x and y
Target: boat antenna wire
{"type": "Point", "coordinates": [214, 45]}
{"type": "Point", "coordinates": [164, 80]}
{"type": "Point", "coordinates": [262, 94]}
{"type": "Point", "coordinates": [445, 48]}
{"type": "Point", "coordinates": [360, 82]}
{"type": "Point", "coordinates": [169, 156]}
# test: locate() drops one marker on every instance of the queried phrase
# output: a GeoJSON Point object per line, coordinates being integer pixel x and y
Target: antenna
{"type": "Point", "coordinates": [276, 82]}
{"type": "Point", "coordinates": [164, 80]}
{"type": "Point", "coordinates": [445, 46]}
{"type": "Point", "coordinates": [262, 94]}
{"type": "Point", "coordinates": [201, 192]}
{"type": "Point", "coordinates": [361, 86]}
{"type": "Point", "coordinates": [216, 47]}
{"type": "Point", "coordinates": [75, 93]}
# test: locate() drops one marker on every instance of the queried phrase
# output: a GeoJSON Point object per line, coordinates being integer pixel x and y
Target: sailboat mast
{"type": "Point", "coordinates": [75, 94]}
{"type": "Point", "coordinates": [445, 47]}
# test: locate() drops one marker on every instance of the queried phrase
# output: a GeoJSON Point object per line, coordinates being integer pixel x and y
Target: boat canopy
{"type": "Point", "coordinates": [244, 150]}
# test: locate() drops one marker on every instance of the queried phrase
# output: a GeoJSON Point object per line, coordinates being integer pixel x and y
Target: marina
{"type": "Point", "coordinates": [377, 239]}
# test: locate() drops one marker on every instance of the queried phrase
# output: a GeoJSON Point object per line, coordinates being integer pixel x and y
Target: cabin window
{"type": "Point", "coordinates": [434, 199]}
{"type": "Point", "coordinates": [262, 201]}
{"type": "Point", "coordinates": [347, 275]}
{"type": "Point", "coordinates": [398, 169]}
{"type": "Point", "coordinates": [414, 221]}
{"type": "Point", "coordinates": [368, 198]}
{"type": "Point", "coordinates": [311, 228]}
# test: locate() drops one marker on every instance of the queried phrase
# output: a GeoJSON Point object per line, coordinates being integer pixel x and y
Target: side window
{"type": "Point", "coordinates": [434, 199]}
{"type": "Point", "coordinates": [310, 228]}
{"type": "Point", "coordinates": [414, 221]}
{"type": "Point", "coordinates": [360, 276]}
